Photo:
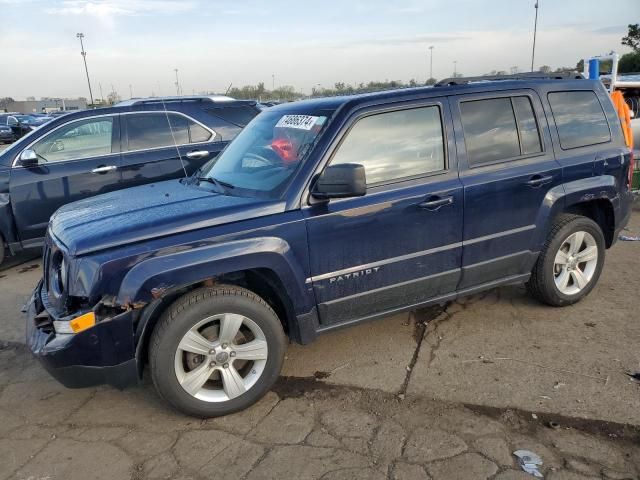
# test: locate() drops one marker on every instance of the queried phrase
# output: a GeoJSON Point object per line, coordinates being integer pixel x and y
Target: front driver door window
{"type": "Point", "coordinates": [82, 139]}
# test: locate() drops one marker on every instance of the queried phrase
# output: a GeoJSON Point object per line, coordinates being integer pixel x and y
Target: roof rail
{"type": "Point", "coordinates": [182, 98]}
{"type": "Point", "coordinates": [518, 76]}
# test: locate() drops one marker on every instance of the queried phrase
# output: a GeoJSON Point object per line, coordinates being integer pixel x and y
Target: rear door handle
{"type": "Point", "coordinates": [104, 169]}
{"type": "Point", "coordinates": [538, 180]}
{"type": "Point", "coordinates": [197, 154]}
{"type": "Point", "coordinates": [435, 202]}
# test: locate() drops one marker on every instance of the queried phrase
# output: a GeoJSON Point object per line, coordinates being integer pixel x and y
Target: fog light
{"type": "Point", "coordinates": [83, 322]}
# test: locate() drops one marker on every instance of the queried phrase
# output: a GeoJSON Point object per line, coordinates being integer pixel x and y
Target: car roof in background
{"type": "Point", "coordinates": [184, 98]}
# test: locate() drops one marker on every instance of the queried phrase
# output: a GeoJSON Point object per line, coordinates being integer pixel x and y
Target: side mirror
{"type": "Point", "coordinates": [28, 158]}
{"type": "Point", "coordinates": [341, 181]}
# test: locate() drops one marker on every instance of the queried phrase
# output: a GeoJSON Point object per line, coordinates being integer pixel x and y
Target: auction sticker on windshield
{"type": "Point", "coordinates": [302, 122]}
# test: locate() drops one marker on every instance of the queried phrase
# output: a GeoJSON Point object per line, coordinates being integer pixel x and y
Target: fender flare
{"type": "Point", "coordinates": [568, 194]}
{"type": "Point", "coordinates": [151, 278]}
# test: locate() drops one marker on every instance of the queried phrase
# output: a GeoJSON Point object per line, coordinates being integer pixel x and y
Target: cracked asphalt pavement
{"type": "Point", "coordinates": [443, 393]}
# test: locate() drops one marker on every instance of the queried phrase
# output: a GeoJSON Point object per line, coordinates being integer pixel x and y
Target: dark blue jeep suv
{"type": "Point", "coordinates": [95, 151]}
{"type": "Point", "coordinates": [326, 213]}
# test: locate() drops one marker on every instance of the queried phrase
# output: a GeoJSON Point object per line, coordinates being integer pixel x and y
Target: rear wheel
{"type": "Point", "coordinates": [570, 262]}
{"type": "Point", "coordinates": [216, 351]}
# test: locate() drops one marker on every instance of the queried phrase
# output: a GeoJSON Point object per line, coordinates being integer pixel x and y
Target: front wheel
{"type": "Point", "coordinates": [570, 262]}
{"type": "Point", "coordinates": [216, 351]}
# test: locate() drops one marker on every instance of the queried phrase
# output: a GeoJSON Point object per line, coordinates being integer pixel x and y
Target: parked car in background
{"type": "Point", "coordinates": [6, 134]}
{"type": "Point", "coordinates": [20, 124]}
{"type": "Point", "coordinates": [96, 151]}
{"type": "Point", "coordinates": [327, 213]}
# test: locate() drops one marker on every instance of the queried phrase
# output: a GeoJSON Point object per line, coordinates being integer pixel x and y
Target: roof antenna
{"type": "Point", "coordinates": [175, 144]}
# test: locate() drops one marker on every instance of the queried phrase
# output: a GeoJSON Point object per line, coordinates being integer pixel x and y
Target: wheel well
{"type": "Point", "coordinates": [601, 212]}
{"type": "Point", "coordinates": [263, 282]}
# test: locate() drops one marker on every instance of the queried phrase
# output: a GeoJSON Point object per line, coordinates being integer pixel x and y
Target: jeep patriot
{"type": "Point", "coordinates": [326, 213]}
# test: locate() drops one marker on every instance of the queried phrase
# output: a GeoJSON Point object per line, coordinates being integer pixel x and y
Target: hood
{"type": "Point", "coordinates": [149, 211]}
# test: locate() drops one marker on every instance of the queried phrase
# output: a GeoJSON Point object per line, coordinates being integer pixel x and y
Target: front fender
{"type": "Point", "coordinates": [150, 278]}
{"type": "Point", "coordinates": [568, 194]}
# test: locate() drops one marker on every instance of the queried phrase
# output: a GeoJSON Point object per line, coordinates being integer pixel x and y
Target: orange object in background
{"type": "Point", "coordinates": [625, 116]}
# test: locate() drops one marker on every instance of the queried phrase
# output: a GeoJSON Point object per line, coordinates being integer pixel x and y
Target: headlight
{"type": "Point", "coordinates": [57, 274]}
{"type": "Point", "coordinates": [63, 273]}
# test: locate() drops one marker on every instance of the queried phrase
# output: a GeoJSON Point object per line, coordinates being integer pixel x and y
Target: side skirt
{"type": "Point", "coordinates": [308, 321]}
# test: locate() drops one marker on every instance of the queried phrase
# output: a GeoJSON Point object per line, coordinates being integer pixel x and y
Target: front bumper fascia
{"type": "Point", "coordinates": [103, 354]}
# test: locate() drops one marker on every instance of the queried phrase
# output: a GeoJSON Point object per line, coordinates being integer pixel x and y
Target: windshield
{"type": "Point", "coordinates": [26, 119]}
{"type": "Point", "coordinates": [266, 154]}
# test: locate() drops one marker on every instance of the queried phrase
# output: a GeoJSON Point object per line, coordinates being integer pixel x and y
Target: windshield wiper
{"type": "Point", "coordinates": [218, 183]}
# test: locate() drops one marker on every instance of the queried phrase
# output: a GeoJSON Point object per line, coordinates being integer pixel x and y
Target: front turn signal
{"type": "Point", "coordinates": [83, 322]}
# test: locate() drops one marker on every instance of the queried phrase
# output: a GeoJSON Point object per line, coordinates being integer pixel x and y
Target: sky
{"type": "Point", "coordinates": [215, 43]}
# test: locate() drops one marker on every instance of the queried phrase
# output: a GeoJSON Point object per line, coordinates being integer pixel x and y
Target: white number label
{"type": "Point", "coordinates": [302, 122]}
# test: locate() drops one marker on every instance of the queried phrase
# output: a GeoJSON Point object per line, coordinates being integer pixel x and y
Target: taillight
{"type": "Point", "coordinates": [632, 165]}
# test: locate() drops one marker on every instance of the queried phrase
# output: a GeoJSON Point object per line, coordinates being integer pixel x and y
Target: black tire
{"type": "Point", "coordinates": [186, 312]}
{"type": "Point", "coordinates": [542, 283]}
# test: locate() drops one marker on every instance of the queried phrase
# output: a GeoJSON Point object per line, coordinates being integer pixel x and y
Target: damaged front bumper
{"type": "Point", "coordinates": [103, 354]}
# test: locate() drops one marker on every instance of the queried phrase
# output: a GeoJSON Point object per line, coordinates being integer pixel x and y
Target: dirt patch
{"type": "Point", "coordinates": [28, 268]}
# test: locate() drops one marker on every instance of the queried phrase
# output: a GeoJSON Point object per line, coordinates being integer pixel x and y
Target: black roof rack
{"type": "Point", "coordinates": [518, 76]}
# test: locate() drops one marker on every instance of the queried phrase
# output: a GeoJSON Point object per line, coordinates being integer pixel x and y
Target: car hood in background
{"type": "Point", "coordinates": [149, 211]}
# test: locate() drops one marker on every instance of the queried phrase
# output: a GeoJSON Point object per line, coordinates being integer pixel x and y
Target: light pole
{"type": "Point", "coordinates": [177, 82]}
{"type": "Point", "coordinates": [535, 30]}
{"type": "Point", "coordinates": [84, 58]}
{"type": "Point", "coordinates": [455, 68]}
{"type": "Point", "coordinates": [273, 81]}
{"type": "Point", "coordinates": [130, 91]}
{"type": "Point", "coordinates": [431, 62]}
{"type": "Point", "coordinates": [101, 96]}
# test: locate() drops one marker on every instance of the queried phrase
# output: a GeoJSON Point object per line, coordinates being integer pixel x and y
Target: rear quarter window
{"type": "Point", "coordinates": [579, 118]}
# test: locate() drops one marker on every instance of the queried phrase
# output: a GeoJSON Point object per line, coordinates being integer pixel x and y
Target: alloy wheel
{"type": "Point", "coordinates": [221, 357]}
{"type": "Point", "coordinates": [575, 263]}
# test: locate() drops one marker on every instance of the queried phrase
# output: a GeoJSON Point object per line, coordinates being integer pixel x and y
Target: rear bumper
{"type": "Point", "coordinates": [103, 354]}
{"type": "Point", "coordinates": [623, 214]}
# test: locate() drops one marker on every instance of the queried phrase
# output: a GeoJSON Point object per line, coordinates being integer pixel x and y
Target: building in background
{"type": "Point", "coordinates": [44, 105]}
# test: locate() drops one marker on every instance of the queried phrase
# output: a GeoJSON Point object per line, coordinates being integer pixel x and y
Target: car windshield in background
{"type": "Point", "coordinates": [32, 120]}
{"type": "Point", "coordinates": [265, 155]}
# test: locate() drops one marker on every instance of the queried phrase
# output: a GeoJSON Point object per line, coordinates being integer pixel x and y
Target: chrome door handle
{"type": "Point", "coordinates": [196, 154]}
{"type": "Point", "coordinates": [436, 203]}
{"type": "Point", "coordinates": [104, 169]}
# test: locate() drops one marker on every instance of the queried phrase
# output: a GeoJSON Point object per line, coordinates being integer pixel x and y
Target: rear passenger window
{"type": "Point", "coordinates": [151, 130]}
{"type": "Point", "coordinates": [498, 129]}
{"type": "Point", "coordinates": [579, 118]}
{"type": "Point", "coordinates": [395, 145]}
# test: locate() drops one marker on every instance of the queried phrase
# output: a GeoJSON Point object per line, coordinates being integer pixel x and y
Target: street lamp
{"type": "Point", "coordinates": [455, 68]}
{"type": "Point", "coordinates": [431, 62]}
{"type": "Point", "coordinates": [177, 82]}
{"type": "Point", "coordinates": [84, 58]}
{"type": "Point", "coordinates": [535, 29]}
